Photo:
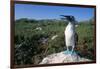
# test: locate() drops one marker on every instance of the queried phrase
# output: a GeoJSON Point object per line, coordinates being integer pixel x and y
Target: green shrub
{"type": "Point", "coordinates": [32, 45]}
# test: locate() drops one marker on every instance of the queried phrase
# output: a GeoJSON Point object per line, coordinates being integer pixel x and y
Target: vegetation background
{"type": "Point", "coordinates": [34, 39]}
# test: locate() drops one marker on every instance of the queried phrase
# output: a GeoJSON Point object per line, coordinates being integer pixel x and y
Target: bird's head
{"type": "Point", "coordinates": [70, 18]}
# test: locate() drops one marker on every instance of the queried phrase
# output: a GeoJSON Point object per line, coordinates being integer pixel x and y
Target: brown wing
{"type": "Point", "coordinates": [76, 38]}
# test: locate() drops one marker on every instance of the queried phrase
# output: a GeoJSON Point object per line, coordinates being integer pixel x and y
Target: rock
{"type": "Point", "coordinates": [55, 36]}
{"type": "Point", "coordinates": [38, 28]}
{"type": "Point", "coordinates": [63, 57]}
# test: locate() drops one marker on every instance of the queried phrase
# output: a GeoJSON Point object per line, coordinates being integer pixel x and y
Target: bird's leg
{"type": "Point", "coordinates": [67, 49]}
{"type": "Point", "coordinates": [72, 49]}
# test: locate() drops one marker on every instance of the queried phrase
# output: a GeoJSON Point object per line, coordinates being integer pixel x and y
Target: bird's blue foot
{"type": "Point", "coordinates": [69, 52]}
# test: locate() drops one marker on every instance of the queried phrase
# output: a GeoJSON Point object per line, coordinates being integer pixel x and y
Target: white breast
{"type": "Point", "coordinates": [69, 35]}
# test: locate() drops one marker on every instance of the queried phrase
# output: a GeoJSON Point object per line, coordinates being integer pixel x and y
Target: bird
{"type": "Point", "coordinates": [71, 37]}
